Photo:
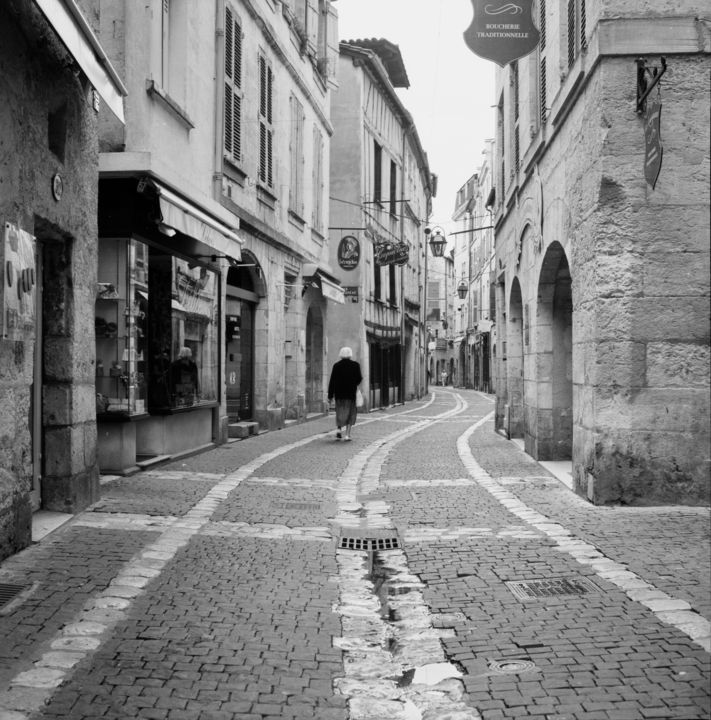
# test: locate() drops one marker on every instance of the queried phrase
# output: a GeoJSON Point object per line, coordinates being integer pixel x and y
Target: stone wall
{"type": "Point", "coordinates": [639, 265]}
{"type": "Point", "coordinates": [43, 105]}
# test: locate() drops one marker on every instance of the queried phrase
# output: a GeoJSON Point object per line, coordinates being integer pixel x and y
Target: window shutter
{"type": "Point", "coordinates": [237, 127]}
{"type": "Point", "coordinates": [583, 22]}
{"type": "Point", "coordinates": [262, 86]}
{"type": "Point", "coordinates": [229, 43]}
{"type": "Point", "coordinates": [542, 23]}
{"type": "Point", "coordinates": [332, 47]}
{"type": "Point", "coordinates": [229, 119]}
{"type": "Point", "coordinates": [238, 55]}
{"type": "Point", "coordinates": [543, 94]}
{"type": "Point", "coordinates": [262, 152]}
{"type": "Point", "coordinates": [265, 170]}
{"type": "Point", "coordinates": [571, 32]}
{"type": "Point", "coordinates": [233, 82]}
{"type": "Point", "coordinates": [311, 26]}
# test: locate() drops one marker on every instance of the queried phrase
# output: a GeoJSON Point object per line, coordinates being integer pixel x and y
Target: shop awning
{"type": "Point", "coordinates": [329, 285]}
{"type": "Point", "coordinates": [183, 216]}
{"type": "Point", "coordinates": [79, 39]}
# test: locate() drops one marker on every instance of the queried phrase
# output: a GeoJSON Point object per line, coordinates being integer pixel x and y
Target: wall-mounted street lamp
{"type": "Point", "coordinates": [462, 290]}
{"type": "Point", "coordinates": [438, 241]}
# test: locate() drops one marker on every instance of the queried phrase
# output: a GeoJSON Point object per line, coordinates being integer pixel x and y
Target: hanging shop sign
{"type": "Point", "coordinates": [502, 31]}
{"type": "Point", "coordinates": [388, 253]}
{"type": "Point", "coordinates": [17, 303]}
{"type": "Point", "coordinates": [653, 149]}
{"type": "Point", "coordinates": [348, 253]}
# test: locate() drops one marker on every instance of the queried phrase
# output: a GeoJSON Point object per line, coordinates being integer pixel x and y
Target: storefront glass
{"type": "Point", "coordinates": [156, 330]}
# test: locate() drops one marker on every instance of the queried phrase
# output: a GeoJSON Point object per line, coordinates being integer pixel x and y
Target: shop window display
{"type": "Point", "coordinates": [157, 332]}
{"type": "Point", "coordinates": [120, 327]}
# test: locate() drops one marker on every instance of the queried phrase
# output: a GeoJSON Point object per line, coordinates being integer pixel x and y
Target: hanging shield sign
{"type": "Point", "coordinates": [502, 31]}
{"type": "Point", "coordinates": [391, 253]}
{"type": "Point", "coordinates": [653, 149]}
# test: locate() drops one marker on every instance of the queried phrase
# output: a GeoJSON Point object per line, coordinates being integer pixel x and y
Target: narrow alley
{"type": "Point", "coordinates": [428, 570]}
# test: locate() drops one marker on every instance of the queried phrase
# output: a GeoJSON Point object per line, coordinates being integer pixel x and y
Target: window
{"type": "Point", "coordinates": [393, 188]}
{"type": "Point", "coordinates": [501, 144]}
{"type": "Point", "coordinates": [318, 183]}
{"type": "Point", "coordinates": [233, 87]}
{"type": "Point", "coordinates": [377, 281]}
{"type": "Point", "coordinates": [296, 153]}
{"type": "Point", "coordinates": [182, 332]}
{"type": "Point", "coordinates": [165, 43]}
{"type": "Point", "coordinates": [392, 277]}
{"type": "Point", "coordinates": [156, 330]}
{"type": "Point", "coordinates": [516, 115]}
{"type": "Point", "coordinates": [266, 129]}
{"type": "Point", "coordinates": [173, 49]}
{"type": "Point", "coordinates": [576, 29]}
{"type": "Point", "coordinates": [542, 73]}
{"type": "Point", "coordinates": [377, 171]}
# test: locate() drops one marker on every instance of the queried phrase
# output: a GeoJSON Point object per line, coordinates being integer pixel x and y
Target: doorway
{"type": "Point", "coordinates": [239, 357]}
{"type": "Point", "coordinates": [554, 353]}
{"type": "Point", "coordinates": [314, 360]}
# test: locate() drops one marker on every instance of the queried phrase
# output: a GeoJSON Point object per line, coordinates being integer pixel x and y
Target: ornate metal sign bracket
{"type": "Point", "coordinates": [644, 87]}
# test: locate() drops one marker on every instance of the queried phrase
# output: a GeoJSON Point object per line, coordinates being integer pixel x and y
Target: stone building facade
{"type": "Point", "coordinates": [603, 274]}
{"type": "Point", "coordinates": [381, 191]}
{"type": "Point", "coordinates": [474, 262]}
{"type": "Point", "coordinates": [213, 224]}
{"type": "Point", "coordinates": [51, 62]}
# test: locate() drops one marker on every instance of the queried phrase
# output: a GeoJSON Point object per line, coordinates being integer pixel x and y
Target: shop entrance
{"type": "Point", "coordinates": [240, 313]}
{"type": "Point", "coordinates": [239, 357]}
{"type": "Point", "coordinates": [314, 361]}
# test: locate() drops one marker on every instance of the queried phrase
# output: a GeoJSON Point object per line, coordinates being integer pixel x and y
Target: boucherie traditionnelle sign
{"type": "Point", "coordinates": [502, 31]}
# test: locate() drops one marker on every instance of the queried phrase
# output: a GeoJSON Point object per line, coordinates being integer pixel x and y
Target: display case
{"type": "Point", "coordinates": [120, 328]}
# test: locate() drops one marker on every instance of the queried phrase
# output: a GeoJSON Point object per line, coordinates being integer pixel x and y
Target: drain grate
{"type": "Point", "coordinates": [296, 505]}
{"type": "Point", "coordinates": [8, 593]}
{"type": "Point", "coordinates": [369, 543]}
{"type": "Point", "coordinates": [555, 587]}
{"type": "Point", "coordinates": [511, 666]}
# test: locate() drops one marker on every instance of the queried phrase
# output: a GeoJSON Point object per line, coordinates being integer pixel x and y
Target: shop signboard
{"type": "Point", "coordinates": [350, 292]}
{"type": "Point", "coordinates": [502, 31]}
{"type": "Point", "coordinates": [348, 253]}
{"type": "Point", "coordinates": [387, 253]}
{"type": "Point", "coordinates": [18, 276]}
{"type": "Point", "coordinates": [653, 149]}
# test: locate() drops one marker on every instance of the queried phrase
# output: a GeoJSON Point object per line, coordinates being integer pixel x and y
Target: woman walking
{"type": "Point", "coordinates": [343, 385]}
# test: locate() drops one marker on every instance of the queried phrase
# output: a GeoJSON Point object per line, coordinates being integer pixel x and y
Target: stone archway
{"type": "Point", "coordinates": [515, 363]}
{"type": "Point", "coordinates": [553, 433]}
{"type": "Point", "coordinates": [314, 360]}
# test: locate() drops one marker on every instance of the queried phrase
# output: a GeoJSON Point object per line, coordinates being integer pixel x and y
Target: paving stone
{"type": "Point", "coordinates": [231, 613]}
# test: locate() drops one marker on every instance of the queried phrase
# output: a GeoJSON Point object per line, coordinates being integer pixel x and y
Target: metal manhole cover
{"type": "Point", "coordinates": [554, 587]}
{"type": "Point", "coordinates": [297, 505]}
{"type": "Point", "coordinates": [9, 592]}
{"type": "Point", "coordinates": [368, 543]}
{"type": "Point", "coordinates": [511, 666]}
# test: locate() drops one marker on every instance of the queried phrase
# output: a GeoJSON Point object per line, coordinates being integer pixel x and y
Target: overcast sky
{"type": "Point", "coordinates": [451, 89]}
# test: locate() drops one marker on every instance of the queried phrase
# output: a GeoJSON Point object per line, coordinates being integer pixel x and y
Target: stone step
{"type": "Point", "coordinates": [242, 429]}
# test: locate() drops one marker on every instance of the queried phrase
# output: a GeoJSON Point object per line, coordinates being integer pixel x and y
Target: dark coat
{"type": "Point", "coordinates": [345, 378]}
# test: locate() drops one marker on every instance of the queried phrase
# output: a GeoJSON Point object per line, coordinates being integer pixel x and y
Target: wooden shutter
{"type": "Point", "coordinates": [233, 86]}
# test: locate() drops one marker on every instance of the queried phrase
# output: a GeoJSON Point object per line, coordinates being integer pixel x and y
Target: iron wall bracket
{"type": "Point", "coordinates": [644, 87]}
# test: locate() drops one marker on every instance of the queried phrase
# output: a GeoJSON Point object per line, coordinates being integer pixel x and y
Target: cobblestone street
{"type": "Point", "coordinates": [427, 570]}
